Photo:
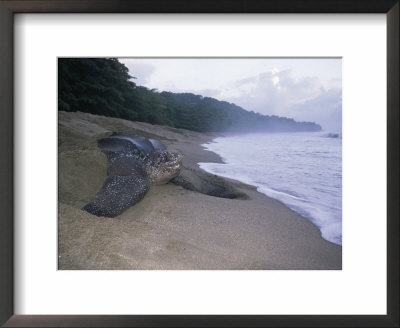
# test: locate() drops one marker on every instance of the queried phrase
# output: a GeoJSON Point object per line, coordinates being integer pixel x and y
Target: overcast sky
{"type": "Point", "coordinates": [303, 89]}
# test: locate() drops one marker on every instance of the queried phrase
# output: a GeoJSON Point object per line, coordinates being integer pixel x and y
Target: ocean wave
{"type": "Point", "coordinates": [290, 168]}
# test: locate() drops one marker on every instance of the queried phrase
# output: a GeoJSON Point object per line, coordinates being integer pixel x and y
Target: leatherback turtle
{"type": "Point", "coordinates": [135, 162]}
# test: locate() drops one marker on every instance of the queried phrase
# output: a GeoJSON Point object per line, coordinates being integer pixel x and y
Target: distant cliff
{"type": "Point", "coordinates": [102, 86]}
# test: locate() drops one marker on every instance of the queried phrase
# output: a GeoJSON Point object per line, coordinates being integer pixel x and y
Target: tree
{"type": "Point", "coordinates": [95, 85]}
{"type": "Point", "coordinates": [103, 86]}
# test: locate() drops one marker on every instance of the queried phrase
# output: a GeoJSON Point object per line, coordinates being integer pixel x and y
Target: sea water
{"type": "Point", "coordinates": [302, 170]}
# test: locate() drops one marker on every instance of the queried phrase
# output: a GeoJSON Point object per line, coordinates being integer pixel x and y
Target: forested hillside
{"type": "Point", "coordinates": [102, 86]}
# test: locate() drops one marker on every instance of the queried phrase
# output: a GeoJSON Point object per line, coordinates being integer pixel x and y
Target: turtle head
{"type": "Point", "coordinates": [163, 166]}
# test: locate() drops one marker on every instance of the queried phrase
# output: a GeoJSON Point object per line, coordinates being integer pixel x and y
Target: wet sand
{"type": "Point", "coordinates": [174, 228]}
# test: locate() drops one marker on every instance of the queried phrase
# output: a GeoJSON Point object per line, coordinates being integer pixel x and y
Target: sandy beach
{"type": "Point", "coordinates": [174, 228]}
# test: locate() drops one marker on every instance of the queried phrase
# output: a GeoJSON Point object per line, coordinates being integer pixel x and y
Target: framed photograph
{"type": "Point", "coordinates": [206, 164]}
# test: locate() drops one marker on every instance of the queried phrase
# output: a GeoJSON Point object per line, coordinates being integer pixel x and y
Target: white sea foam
{"type": "Point", "coordinates": [303, 170]}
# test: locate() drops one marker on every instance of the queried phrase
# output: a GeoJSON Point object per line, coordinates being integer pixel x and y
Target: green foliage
{"type": "Point", "coordinates": [102, 86]}
{"type": "Point", "coordinates": [94, 85]}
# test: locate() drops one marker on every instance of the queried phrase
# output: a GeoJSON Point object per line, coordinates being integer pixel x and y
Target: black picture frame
{"type": "Point", "coordinates": [10, 7]}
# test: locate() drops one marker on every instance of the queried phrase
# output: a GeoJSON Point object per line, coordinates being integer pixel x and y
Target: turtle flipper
{"type": "Point", "coordinates": [133, 165]}
{"type": "Point", "coordinates": [192, 180]}
{"type": "Point", "coordinates": [117, 194]}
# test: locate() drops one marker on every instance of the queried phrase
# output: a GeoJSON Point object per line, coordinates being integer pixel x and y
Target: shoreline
{"type": "Point", "coordinates": [174, 228]}
{"type": "Point", "coordinates": [259, 186]}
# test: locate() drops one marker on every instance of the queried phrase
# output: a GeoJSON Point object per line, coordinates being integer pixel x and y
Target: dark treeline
{"type": "Point", "coordinates": [103, 86]}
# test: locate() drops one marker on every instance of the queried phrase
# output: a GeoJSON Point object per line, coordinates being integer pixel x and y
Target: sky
{"type": "Point", "coordinates": [305, 89]}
